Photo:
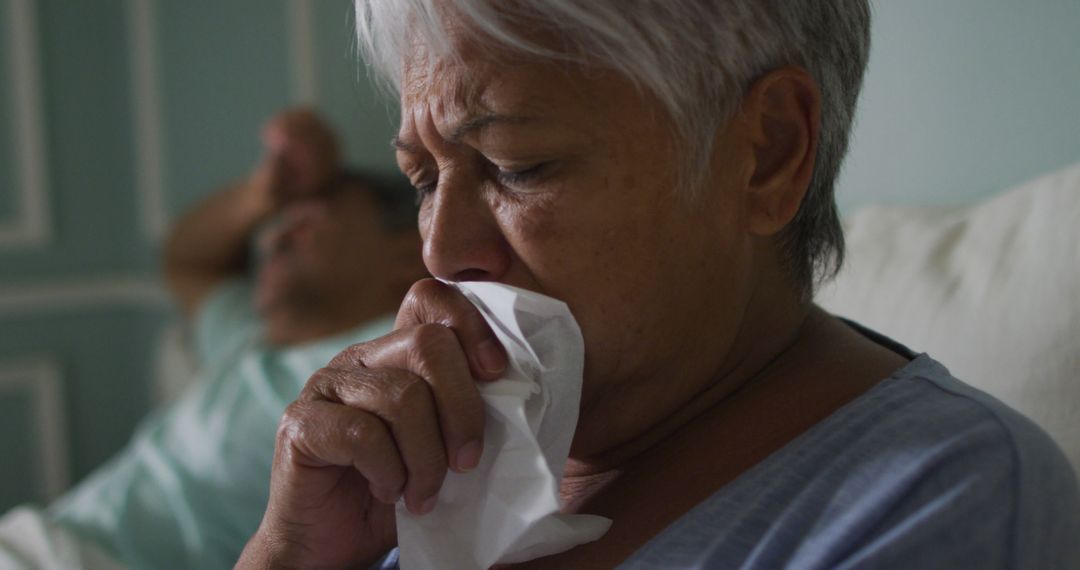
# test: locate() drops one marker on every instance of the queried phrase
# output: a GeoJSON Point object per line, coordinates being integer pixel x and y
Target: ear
{"type": "Point", "coordinates": [782, 111]}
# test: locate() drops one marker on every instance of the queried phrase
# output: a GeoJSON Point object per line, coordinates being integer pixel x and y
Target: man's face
{"type": "Point", "coordinates": [320, 249]}
{"type": "Point", "coordinates": [563, 182]}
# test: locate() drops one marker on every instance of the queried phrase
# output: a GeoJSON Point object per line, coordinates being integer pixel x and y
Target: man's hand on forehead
{"type": "Point", "coordinates": [302, 151]}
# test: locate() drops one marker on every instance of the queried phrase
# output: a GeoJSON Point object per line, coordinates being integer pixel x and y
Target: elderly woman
{"type": "Point", "coordinates": [667, 170]}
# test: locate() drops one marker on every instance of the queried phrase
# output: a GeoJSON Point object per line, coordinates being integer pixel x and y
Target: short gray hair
{"type": "Point", "coordinates": [697, 57]}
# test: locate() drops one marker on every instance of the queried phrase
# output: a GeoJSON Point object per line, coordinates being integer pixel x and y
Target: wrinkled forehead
{"type": "Point", "coordinates": [458, 73]}
{"type": "Point", "coordinates": [438, 79]}
{"type": "Point", "coordinates": [467, 79]}
{"type": "Point", "coordinates": [455, 93]}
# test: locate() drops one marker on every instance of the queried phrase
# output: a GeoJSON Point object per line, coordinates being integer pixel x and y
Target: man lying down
{"type": "Point", "coordinates": [335, 255]}
{"type": "Point", "coordinates": [666, 169]}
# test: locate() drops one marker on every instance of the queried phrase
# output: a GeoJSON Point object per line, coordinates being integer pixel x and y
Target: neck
{"type": "Point", "coordinates": [744, 416]}
{"type": "Point", "coordinates": [764, 344]}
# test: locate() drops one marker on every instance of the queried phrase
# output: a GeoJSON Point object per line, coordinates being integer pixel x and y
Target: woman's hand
{"type": "Point", "coordinates": [384, 420]}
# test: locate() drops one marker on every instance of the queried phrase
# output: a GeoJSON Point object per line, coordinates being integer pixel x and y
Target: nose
{"type": "Point", "coordinates": [462, 237]}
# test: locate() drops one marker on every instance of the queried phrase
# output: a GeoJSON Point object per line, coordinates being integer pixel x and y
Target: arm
{"type": "Point", "coordinates": [210, 243]}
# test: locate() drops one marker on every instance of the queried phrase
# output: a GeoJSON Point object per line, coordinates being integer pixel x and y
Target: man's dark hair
{"type": "Point", "coordinates": [396, 202]}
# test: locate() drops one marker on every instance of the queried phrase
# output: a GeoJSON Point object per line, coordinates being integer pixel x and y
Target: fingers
{"type": "Point", "coordinates": [404, 408]}
{"type": "Point", "coordinates": [309, 149]}
{"type": "Point", "coordinates": [267, 178]}
{"type": "Point", "coordinates": [404, 403]}
{"type": "Point", "coordinates": [317, 433]}
{"type": "Point", "coordinates": [299, 124]}
{"type": "Point", "coordinates": [429, 353]}
{"type": "Point", "coordinates": [430, 301]}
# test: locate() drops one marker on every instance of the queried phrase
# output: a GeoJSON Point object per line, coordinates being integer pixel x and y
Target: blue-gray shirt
{"type": "Point", "coordinates": [922, 471]}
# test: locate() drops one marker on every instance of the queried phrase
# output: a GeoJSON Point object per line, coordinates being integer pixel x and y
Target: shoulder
{"type": "Point", "coordinates": [1029, 477]}
{"type": "Point", "coordinates": [921, 471]}
{"type": "Point", "coordinates": [224, 318]}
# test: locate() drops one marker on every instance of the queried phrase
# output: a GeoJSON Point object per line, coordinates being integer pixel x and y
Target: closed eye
{"type": "Point", "coordinates": [423, 190]}
{"type": "Point", "coordinates": [521, 177]}
{"type": "Point", "coordinates": [514, 179]}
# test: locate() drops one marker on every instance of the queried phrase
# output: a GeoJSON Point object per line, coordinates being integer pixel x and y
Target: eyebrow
{"type": "Point", "coordinates": [469, 125]}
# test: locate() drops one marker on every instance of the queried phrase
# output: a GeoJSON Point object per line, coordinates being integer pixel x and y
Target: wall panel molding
{"type": "Point", "coordinates": [31, 226]}
{"type": "Point", "coordinates": [151, 168]}
{"type": "Point", "coordinates": [303, 75]}
{"type": "Point", "coordinates": [149, 135]}
{"type": "Point", "coordinates": [59, 295]}
{"type": "Point", "coordinates": [41, 379]}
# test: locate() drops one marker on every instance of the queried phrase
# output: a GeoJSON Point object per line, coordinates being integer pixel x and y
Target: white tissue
{"type": "Point", "coordinates": [507, 509]}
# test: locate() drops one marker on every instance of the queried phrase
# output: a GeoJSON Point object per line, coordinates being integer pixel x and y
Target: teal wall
{"type": "Point", "coordinates": [963, 99]}
{"type": "Point", "coordinates": [86, 297]}
{"type": "Point", "coordinates": [223, 75]}
{"type": "Point", "coordinates": [103, 353]}
{"type": "Point", "coordinates": [351, 101]}
{"type": "Point", "coordinates": [81, 55]}
{"type": "Point", "coordinates": [7, 145]}
{"type": "Point", "coordinates": [22, 475]}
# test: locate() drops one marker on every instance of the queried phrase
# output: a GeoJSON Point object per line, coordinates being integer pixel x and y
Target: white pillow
{"type": "Point", "coordinates": [992, 291]}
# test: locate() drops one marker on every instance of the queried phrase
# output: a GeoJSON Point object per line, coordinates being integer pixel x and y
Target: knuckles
{"type": "Point", "coordinates": [431, 334]}
{"type": "Point", "coordinates": [354, 356]}
{"type": "Point", "coordinates": [424, 293]}
{"type": "Point", "coordinates": [432, 301]}
{"type": "Point", "coordinates": [391, 394]}
{"type": "Point", "coordinates": [409, 394]}
{"type": "Point", "coordinates": [428, 340]}
{"type": "Point", "coordinates": [291, 430]}
{"type": "Point", "coordinates": [363, 433]}
{"type": "Point", "coordinates": [320, 384]}
{"type": "Point", "coordinates": [292, 421]}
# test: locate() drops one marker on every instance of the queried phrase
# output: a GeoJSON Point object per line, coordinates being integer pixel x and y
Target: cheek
{"type": "Point", "coordinates": [529, 222]}
{"type": "Point", "coordinates": [599, 259]}
{"type": "Point", "coordinates": [543, 237]}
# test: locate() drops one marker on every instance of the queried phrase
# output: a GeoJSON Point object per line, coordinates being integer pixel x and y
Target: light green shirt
{"type": "Point", "coordinates": [191, 486]}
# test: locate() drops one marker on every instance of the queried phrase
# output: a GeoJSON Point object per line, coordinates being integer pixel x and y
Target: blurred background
{"type": "Point", "coordinates": [117, 115]}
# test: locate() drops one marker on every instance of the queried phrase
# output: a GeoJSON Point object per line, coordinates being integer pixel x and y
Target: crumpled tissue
{"type": "Point", "coordinates": [507, 509]}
